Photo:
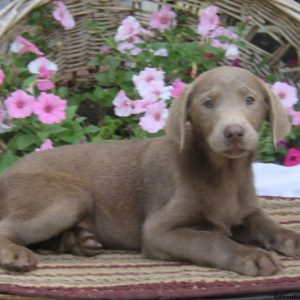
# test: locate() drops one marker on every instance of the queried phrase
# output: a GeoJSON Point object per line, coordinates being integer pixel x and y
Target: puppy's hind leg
{"type": "Point", "coordinates": [38, 208]}
{"type": "Point", "coordinates": [80, 240]}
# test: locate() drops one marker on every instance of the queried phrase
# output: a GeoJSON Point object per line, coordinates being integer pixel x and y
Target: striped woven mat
{"type": "Point", "coordinates": [127, 275]}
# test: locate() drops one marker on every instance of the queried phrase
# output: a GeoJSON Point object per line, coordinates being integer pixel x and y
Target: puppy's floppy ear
{"type": "Point", "coordinates": [277, 116]}
{"type": "Point", "coordinates": [176, 124]}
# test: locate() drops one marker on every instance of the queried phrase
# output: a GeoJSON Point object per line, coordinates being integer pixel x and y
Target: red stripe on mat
{"type": "Point", "coordinates": [165, 290]}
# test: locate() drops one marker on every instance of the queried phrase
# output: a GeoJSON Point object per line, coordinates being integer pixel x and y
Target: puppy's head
{"type": "Point", "coordinates": [226, 107]}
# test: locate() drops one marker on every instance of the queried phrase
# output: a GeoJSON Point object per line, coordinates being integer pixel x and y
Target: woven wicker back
{"type": "Point", "coordinates": [272, 36]}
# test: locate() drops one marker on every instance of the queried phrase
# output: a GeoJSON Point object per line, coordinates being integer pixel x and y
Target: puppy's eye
{"type": "Point", "coordinates": [249, 100]}
{"type": "Point", "coordinates": [209, 103]}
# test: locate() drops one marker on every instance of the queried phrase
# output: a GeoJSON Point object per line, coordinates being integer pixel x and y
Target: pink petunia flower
{"type": "Point", "coordinates": [147, 33]}
{"type": "Point", "coordinates": [286, 93]}
{"type": "Point", "coordinates": [292, 157]}
{"type": "Point", "coordinates": [295, 115]}
{"type": "Point", "coordinates": [282, 143]}
{"type": "Point", "coordinates": [222, 31]}
{"type": "Point", "coordinates": [130, 64]}
{"type": "Point", "coordinates": [177, 87]}
{"type": "Point", "coordinates": [22, 45]}
{"type": "Point", "coordinates": [208, 20]}
{"type": "Point", "coordinates": [135, 51]}
{"type": "Point", "coordinates": [19, 104]}
{"type": "Point", "coordinates": [63, 15]}
{"type": "Point", "coordinates": [161, 52]}
{"type": "Point", "coordinates": [43, 67]}
{"type": "Point", "coordinates": [2, 77]}
{"type": "Point", "coordinates": [45, 146]}
{"type": "Point", "coordinates": [147, 76]}
{"type": "Point", "coordinates": [123, 105]}
{"type": "Point", "coordinates": [50, 109]}
{"type": "Point", "coordinates": [104, 49]}
{"type": "Point", "coordinates": [163, 19]}
{"type": "Point", "coordinates": [129, 28]}
{"type": "Point", "coordinates": [232, 52]}
{"type": "Point", "coordinates": [140, 106]}
{"type": "Point", "coordinates": [44, 84]}
{"type": "Point", "coordinates": [125, 46]}
{"type": "Point", "coordinates": [129, 44]}
{"type": "Point", "coordinates": [155, 117]}
{"type": "Point", "coordinates": [156, 89]}
{"type": "Point", "coordinates": [236, 62]}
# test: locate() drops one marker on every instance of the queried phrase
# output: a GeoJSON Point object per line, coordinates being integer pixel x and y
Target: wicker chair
{"type": "Point", "coordinates": [272, 35]}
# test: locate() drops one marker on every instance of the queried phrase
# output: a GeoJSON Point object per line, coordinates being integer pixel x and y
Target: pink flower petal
{"type": "Point", "coordinates": [123, 105]}
{"type": "Point", "coordinates": [63, 15]}
{"type": "Point", "coordinates": [2, 77]}
{"type": "Point", "coordinates": [178, 87]}
{"type": "Point", "coordinates": [45, 146]}
{"type": "Point", "coordinates": [163, 19]}
{"type": "Point", "coordinates": [42, 67]}
{"type": "Point", "coordinates": [295, 115]}
{"type": "Point", "coordinates": [155, 117]}
{"type": "Point", "coordinates": [22, 45]}
{"type": "Point", "coordinates": [19, 104]}
{"type": "Point", "coordinates": [209, 20]}
{"type": "Point", "coordinates": [286, 93]}
{"type": "Point", "coordinates": [161, 52]}
{"type": "Point", "coordinates": [44, 84]}
{"type": "Point", "coordinates": [292, 157]}
{"type": "Point", "coordinates": [130, 27]}
{"type": "Point", "coordinates": [50, 108]}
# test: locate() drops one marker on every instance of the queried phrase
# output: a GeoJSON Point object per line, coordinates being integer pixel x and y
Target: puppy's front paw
{"type": "Point", "coordinates": [285, 241]}
{"type": "Point", "coordinates": [256, 262]}
{"type": "Point", "coordinates": [18, 258]}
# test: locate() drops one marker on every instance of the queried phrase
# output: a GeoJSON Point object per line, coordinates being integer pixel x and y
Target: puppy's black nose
{"type": "Point", "coordinates": [234, 133]}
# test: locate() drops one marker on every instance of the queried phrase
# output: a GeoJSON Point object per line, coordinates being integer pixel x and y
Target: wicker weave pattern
{"type": "Point", "coordinates": [279, 19]}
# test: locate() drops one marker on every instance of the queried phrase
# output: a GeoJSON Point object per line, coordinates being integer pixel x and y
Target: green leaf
{"type": "Point", "coordinates": [71, 110]}
{"type": "Point", "coordinates": [35, 16]}
{"type": "Point", "coordinates": [91, 129]}
{"type": "Point", "coordinates": [24, 141]}
{"type": "Point", "coordinates": [98, 92]}
{"type": "Point", "coordinates": [53, 129]}
{"type": "Point", "coordinates": [92, 24]}
{"type": "Point", "coordinates": [112, 62]}
{"type": "Point", "coordinates": [103, 78]}
{"type": "Point", "coordinates": [43, 135]}
{"type": "Point", "coordinates": [240, 44]}
{"type": "Point", "coordinates": [69, 138]}
{"type": "Point", "coordinates": [214, 50]}
{"type": "Point", "coordinates": [94, 62]}
{"type": "Point", "coordinates": [90, 96]}
{"type": "Point", "coordinates": [208, 64]}
{"type": "Point", "coordinates": [224, 38]}
{"type": "Point", "coordinates": [28, 82]}
{"type": "Point", "coordinates": [110, 41]}
{"type": "Point", "coordinates": [97, 139]}
{"type": "Point", "coordinates": [80, 119]}
{"type": "Point", "coordinates": [7, 159]}
{"type": "Point", "coordinates": [111, 75]}
{"type": "Point", "coordinates": [63, 92]}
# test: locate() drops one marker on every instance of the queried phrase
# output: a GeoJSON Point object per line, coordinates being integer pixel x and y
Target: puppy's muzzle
{"type": "Point", "coordinates": [234, 133]}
